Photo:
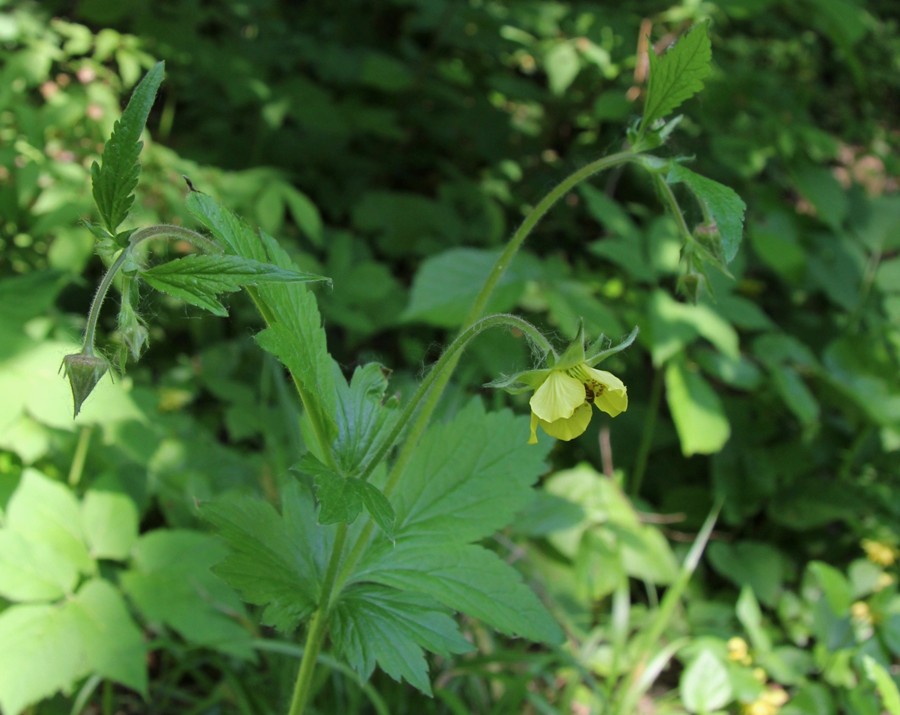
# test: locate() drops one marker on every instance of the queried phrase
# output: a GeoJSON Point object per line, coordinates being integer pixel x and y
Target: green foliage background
{"type": "Point", "coordinates": [393, 146]}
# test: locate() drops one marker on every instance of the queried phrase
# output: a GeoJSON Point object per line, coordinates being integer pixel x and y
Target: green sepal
{"type": "Point", "coordinates": [597, 354]}
{"type": "Point", "coordinates": [83, 371]}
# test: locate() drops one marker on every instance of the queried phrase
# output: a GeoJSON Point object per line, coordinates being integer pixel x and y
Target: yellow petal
{"type": "Point", "coordinates": [611, 396]}
{"type": "Point", "coordinates": [558, 397]}
{"type": "Point", "coordinates": [569, 427]}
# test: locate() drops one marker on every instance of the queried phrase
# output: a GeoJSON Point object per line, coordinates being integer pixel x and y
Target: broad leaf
{"type": "Point", "coordinates": [32, 570]}
{"type": "Point", "coordinates": [115, 179]}
{"type": "Point", "coordinates": [198, 605]}
{"type": "Point", "coordinates": [721, 203]}
{"type": "Point", "coordinates": [677, 75]}
{"type": "Point", "coordinates": [465, 578]}
{"type": "Point", "coordinates": [47, 649]}
{"type": "Point", "coordinates": [275, 561]}
{"type": "Point", "coordinates": [110, 523]}
{"type": "Point", "coordinates": [468, 477]}
{"type": "Point", "coordinates": [198, 279]}
{"type": "Point", "coordinates": [697, 412]}
{"type": "Point", "coordinates": [704, 685]}
{"type": "Point", "coordinates": [377, 625]}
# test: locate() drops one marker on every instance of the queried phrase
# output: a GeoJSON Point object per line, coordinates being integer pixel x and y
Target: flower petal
{"type": "Point", "coordinates": [558, 397]}
{"type": "Point", "coordinates": [613, 397]}
{"type": "Point", "coordinates": [570, 427]}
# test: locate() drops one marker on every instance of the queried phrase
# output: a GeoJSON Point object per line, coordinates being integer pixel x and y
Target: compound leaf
{"type": "Point", "coordinates": [115, 179]}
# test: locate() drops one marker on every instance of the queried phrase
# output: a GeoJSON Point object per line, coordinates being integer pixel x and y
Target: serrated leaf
{"type": "Point", "coordinates": [116, 177]}
{"type": "Point", "coordinates": [198, 279]}
{"type": "Point", "coordinates": [363, 421]}
{"type": "Point", "coordinates": [377, 625]}
{"type": "Point", "coordinates": [197, 605]}
{"type": "Point", "coordinates": [379, 508]}
{"type": "Point", "coordinates": [465, 578]}
{"type": "Point", "coordinates": [275, 561]}
{"type": "Point", "coordinates": [340, 498]}
{"type": "Point", "coordinates": [47, 649]}
{"type": "Point", "coordinates": [295, 335]}
{"type": "Point", "coordinates": [721, 202]}
{"type": "Point", "coordinates": [678, 74]}
{"type": "Point", "coordinates": [468, 477]}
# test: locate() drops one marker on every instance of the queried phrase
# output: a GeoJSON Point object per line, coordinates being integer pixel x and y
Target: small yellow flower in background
{"type": "Point", "coordinates": [776, 696]}
{"type": "Point", "coordinates": [879, 553]}
{"type": "Point", "coordinates": [562, 404]}
{"type": "Point", "coordinates": [884, 580]}
{"type": "Point", "coordinates": [759, 707]}
{"type": "Point", "coordinates": [739, 651]}
{"type": "Point", "coordinates": [861, 613]}
{"type": "Point", "coordinates": [759, 675]}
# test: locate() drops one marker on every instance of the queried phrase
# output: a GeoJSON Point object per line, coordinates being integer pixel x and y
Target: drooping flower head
{"type": "Point", "coordinates": [565, 391]}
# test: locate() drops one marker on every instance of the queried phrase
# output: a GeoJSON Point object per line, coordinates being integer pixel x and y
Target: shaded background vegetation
{"type": "Point", "coordinates": [391, 146]}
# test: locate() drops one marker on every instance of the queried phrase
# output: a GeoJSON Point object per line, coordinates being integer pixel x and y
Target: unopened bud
{"type": "Point", "coordinates": [84, 372]}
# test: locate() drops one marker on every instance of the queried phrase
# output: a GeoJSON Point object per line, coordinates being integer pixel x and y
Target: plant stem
{"type": "Point", "coordinates": [144, 234]}
{"type": "Point", "coordinates": [643, 450]}
{"type": "Point", "coordinates": [78, 459]}
{"type": "Point", "coordinates": [318, 628]}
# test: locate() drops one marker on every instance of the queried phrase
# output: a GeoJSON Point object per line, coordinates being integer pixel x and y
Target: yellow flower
{"type": "Point", "coordinates": [561, 405]}
{"type": "Point", "coordinates": [879, 552]}
{"type": "Point", "coordinates": [861, 613]}
{"type": "Point", "coordinates": [739, 651]}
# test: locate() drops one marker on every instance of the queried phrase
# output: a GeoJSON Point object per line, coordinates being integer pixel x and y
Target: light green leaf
{"type": "Point", "coordinates": [562, 65]}
{"type": "Point", "coordinates": [32, 570]}
{"type": "Point", "coordinates": [197, 605]}
{"type": "Point", "coordinates": [674, 325]}
{"type": "Point", "coordinates": [704, 685]}
{"type": "Point", "coordinates": [468, 477]}
{"type": "Point", "coordinates": [377, 625]}
{"type": "Point", "coordinates": [226, 226]}
{"type": "Point", "coordinates": [834, 586]}
{"type": "Point", "coordinates": [721, 203]}
{"type": "Point", "coordinates": [46, 512]}
{"type": "Point", "coordinates": [198, 279]}
{"type": "Point", "coordinates": [305, 213]}
{"type": "Point", "coordinates": [47, 649]}
{"type": "Point", "coordinates": [446, 285]}
{"type": "Point", "coordinates": [678, 74]}
{"type": "Point", "coordinates": [115, 179]}
{"type": "Point", "coordinates": [275, 561]}
{"type": "Point", "coordinates": [887, 688]}
{"type": "Point", "coordinates": [110, 523]}
{"type": "Point", "coordinates": [749, 614]}
{"type": "Point", "coordinates": [697, 412]}
{"type": "Point", "coordinates": [466, 578]}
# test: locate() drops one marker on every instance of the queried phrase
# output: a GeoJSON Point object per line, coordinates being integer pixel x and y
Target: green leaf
{"type": "Point", "coordinates": [750, 563]}
{"type": "Point", "coordinates": [446, 285]}
{"type": "Point", "coordinates": [466, 578]}
{"type": "Point", "coordinates": [197, 605]}
{"type": "Point", "coordinates": [468, 477]}
{"type": "Point", "coordinates": [887, 688]}
{"type": "Point", "coordinates": [110, 523]}
{"type": "Point", "coordinates": [363, 421]}
{"type": "Point", "coordinates": [721, 203]}
{"type": "Point", "coordinates": [115, 179]}
{"type": "Point", "coordinates": [226, 226]}
{"type": "Point", "coordinates": [198, 279]}
{"type": "Point", "coordinates": [31, 570]}
{"type": "Point", "coordinates": [674, 325]}
{"type": "Point", "coordinates": [704, 685]}
{"type": "Point", "coordinates": [340, 498]}
{"type": "Point", "coordinates": [678, 74]}
{"type": "Point", "coordinates": [562, 65]}
{"type": "Point", "coordinates": [697, 412]}
{"type": "Point", "coordinates": [377, 625]}
{"type": "Point", "coordinates": [47, 649]}
{"type": "Point", "coordinates": [275, 561]}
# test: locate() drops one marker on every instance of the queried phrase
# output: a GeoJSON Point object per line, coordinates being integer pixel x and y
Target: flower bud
{"type": "Point", "coordinates": [84, 372]}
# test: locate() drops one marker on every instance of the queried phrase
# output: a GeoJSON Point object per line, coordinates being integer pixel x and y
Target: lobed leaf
{"type": "Point", "coordinates": [115, 178]}
{"type": "Point", "coordinates": [198, 279]}
{"type": "Point", "coordinates": [678, 74]}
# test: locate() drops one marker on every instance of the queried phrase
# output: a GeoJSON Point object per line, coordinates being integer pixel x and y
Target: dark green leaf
{"type": "Point", "coordinates": [466, 578]}
{"type": "Point", "coordinates": [275, 561]}
{"type": "Point", "coordinates": [468, 477]}
{"type": "Point", "coordinates": [678, 74]}
{"type": "Point", "coordinates": [115, 179]}
{"type": "Point", "coordinates": [377, 625]}
{"type": "Point", "coordinates": [363, 421]}
{"type": "Point", "coordinates": [720, 202]}
{"type": "Point", "coordinates": [198, 279]}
